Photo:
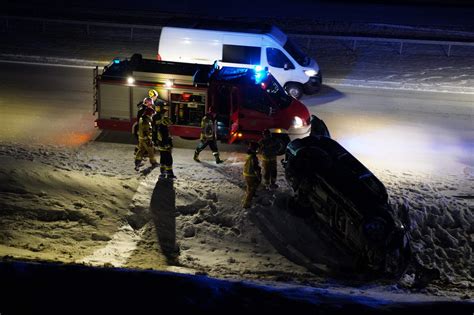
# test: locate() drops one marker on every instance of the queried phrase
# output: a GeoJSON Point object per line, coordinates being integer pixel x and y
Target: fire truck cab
{"type": "Point", "coordinates": [246, 100]}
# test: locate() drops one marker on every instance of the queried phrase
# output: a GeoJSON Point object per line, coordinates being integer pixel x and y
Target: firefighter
{"type": "Point", "coordinates": [165, 146]}
{"type": "Point", "coordinates": [208, 137]}
{"type": "Point", "coordinates": [145, 144]}
{"type": "Point", "coordinates": [158, 103]}
{"type": "Point", "coordinates": [141, 107]}
{"type": "Point", "coordinates": [156, 121]}
{"type": "Point", "coordinates": [268, 148]}
{"type": "Point", "coordinates": [251, 174]}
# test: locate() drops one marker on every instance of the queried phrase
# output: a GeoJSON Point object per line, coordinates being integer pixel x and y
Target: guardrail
{"type": "Point", "coordinates": [87, 25]}
{"type": "Point", "coordinates": [354, 40]}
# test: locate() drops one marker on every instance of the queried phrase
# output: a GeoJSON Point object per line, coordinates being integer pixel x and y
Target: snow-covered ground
{"type": "Point", "coordinates": [86, 205]}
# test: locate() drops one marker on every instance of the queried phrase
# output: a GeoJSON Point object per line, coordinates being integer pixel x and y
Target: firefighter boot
{"type": "Point", "coordinates": [196, 156]}
{"type": "Point", "coordinates": [138, 163]}
{"type": "Point", "coordinates": [170, 174]}
{"type": "Point", "coordinates": [218, 160]}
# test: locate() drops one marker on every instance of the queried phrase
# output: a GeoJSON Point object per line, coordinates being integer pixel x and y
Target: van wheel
{"type": "Point", "coordinates": [294, 89]}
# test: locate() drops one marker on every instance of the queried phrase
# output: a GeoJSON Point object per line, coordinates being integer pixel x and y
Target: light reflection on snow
{"type": "Point", "coordinates": [403, 148]}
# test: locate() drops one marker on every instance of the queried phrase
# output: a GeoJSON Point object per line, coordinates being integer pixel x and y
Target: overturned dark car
{"type": "Point", "coordinates": [346, 204]}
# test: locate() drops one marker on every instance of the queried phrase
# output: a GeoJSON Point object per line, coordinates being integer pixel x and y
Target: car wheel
{"type": "Point", "coordinates": [294, 89]}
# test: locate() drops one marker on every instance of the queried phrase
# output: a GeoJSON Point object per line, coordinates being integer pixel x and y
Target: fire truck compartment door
{"type": "Point", "coordinates": [114, 102]}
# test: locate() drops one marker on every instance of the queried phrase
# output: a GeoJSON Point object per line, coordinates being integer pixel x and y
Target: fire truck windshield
{"type": "Point", "coordinates": [277, 93]}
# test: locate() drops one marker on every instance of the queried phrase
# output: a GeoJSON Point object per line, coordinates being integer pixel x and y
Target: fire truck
{"type": "Point", "coordinates": [245, 100]}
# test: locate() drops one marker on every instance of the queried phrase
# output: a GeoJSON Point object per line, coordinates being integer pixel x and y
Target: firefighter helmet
{"type": "Point", "coordinates": [152, 93]}
{"type": "Point", "coordinates": [147, 101]}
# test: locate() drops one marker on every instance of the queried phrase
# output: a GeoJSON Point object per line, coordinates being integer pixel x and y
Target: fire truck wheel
{"type": "Point", "coordinates": [294, 89]}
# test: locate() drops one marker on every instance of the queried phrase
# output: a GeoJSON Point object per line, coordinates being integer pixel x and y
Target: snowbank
{"type": "Point", "coordinates": [88, 205]}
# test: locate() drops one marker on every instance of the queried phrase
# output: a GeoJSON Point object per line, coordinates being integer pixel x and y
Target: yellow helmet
{"type": "Point", "coordinates": [152, 93]}
{"type": "Point", "coordinates": [166, 121]}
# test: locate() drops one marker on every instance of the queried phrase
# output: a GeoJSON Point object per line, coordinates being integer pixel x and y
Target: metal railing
{"type": "Point", "coordinates": [86, 24]}
{"type": "Point", "coordinates": [401, 42]}
{"type": "Point", "coordinates": [353, 40]}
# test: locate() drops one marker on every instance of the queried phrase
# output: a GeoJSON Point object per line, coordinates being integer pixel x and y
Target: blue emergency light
{"type": "Point", "coordinates": [260, 74]}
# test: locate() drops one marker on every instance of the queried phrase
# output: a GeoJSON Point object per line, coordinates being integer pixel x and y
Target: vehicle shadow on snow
{"type": "Point", "coordinates": [163, 213]}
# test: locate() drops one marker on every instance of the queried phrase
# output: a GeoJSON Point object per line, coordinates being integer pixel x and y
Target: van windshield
{"type": "Point", "coordinates": [297, 53]}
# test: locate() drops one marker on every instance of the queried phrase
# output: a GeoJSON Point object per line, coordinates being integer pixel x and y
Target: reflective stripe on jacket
{"type": "Point", "coordinates": [164, 140]}
{"type": "Point", "coordinates": [207, 129]}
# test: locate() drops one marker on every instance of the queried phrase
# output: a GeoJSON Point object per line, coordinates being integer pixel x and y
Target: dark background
{"type": "Point", "coordinates": [406, 12]}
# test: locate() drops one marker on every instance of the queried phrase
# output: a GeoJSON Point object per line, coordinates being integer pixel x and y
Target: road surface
{"type": "Point", "coordinates": [416, 130]}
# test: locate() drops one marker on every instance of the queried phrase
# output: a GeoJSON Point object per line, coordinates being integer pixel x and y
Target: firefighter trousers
{"type": "Point", "coordinates": [166, 161]}
{"type": "Point", "coordinates": [145, 147]}
{"type": "Point", "coordinates": [269, 167]}
{"type": "Point", "coordinates": [252, 183]}
{"type": "Point", "coordinates": [204, 143]}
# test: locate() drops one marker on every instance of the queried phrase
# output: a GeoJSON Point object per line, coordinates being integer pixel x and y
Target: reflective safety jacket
{"type": "Point", "coordinates": [145, 129]}
{"type": "Point", "coordinates": [164, 140]}
{"type": "Point", "coordinates": [156, 121]}
{"type": "Point", "coordinates": [208, 129]}
{"type": "Point", "coordinates": [251, 166]}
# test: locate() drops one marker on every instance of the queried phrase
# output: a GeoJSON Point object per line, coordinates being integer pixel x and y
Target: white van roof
{"type": "Point", "coordinates": [234, 26]}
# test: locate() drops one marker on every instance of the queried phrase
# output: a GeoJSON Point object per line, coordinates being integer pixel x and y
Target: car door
{"type": "Point", "coordinates": [222, 108]}
{"type": "Point", "coordinates": [255, 109]}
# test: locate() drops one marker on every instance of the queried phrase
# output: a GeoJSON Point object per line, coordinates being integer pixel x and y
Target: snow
{"type": "Point", "coordinates": [85, 205]}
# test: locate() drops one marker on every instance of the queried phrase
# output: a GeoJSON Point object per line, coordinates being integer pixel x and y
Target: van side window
{"type": "Point", "coordinates": [277, 59]}
{"type": "Point", "coordinates": [241, 54]}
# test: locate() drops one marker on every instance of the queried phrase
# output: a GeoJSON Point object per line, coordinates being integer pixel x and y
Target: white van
{"type": "Point", "coordinates": [237, 46]}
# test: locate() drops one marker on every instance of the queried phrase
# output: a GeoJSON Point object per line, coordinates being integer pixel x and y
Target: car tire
{"type": "Point", "coordinates": [294, 89]}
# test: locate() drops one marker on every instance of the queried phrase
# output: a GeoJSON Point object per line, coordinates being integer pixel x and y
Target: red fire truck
{"type": "Point", "coordinates": [246, 100]}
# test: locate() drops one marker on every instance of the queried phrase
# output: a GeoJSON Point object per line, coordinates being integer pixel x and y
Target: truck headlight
{"type": "Point", "coordinates": [311, 73]}
{"type": "Point", "coordinates": [297, 122]}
